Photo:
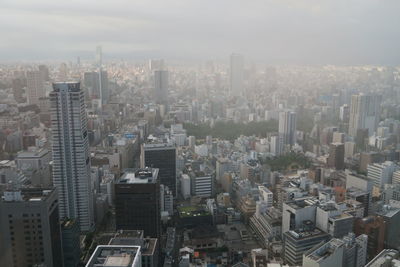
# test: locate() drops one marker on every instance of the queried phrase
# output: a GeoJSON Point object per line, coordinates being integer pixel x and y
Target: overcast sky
{"type": "Point", "coordinates": [276, 31]}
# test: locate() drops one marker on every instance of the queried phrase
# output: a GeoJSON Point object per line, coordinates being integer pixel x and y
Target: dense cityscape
{"type": "Point", "coordinates": [157, 162]}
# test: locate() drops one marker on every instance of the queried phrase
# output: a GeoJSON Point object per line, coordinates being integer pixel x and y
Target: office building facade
{"type": "Point", "coordinates": [137, 201]}
{"type": "Point", "coordinates": [71, 161]}
{"type": "Point", "coordinates": [163, 157]}
{"type": "Point", "coordinates": [30, 229]}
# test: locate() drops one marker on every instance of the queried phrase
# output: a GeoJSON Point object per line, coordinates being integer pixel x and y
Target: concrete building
{"type": "Point", "coordinates": [185, 186]}
{"type": "Point", "coordinates": [382, 173]}
{"type": "Point", "coordinates": [149, 247]}
{"type": "Point", "coordinates": [202, 185]}
{"type": "Point", "coordinates": [386, 258]}
{"type": "Point", "coordinates": [298, 242]}
{"type": "Point", "coordinates": [336, 156]}
{"type": "Point", "coordinates": [71, 159]}
{"type": "Point", "coordinates": [346, 252]}
{"type": "Point", "coordinates": [30, 229]}
{"type": "Point", "coordinates": [295, 212]}
{"type": "Point", "coordinates": [36, 165]}
{"type": "Point", "coordinates": [35, 87]}
{"type": "Point", "coordinates": [329, 254]}
{"type": "Point", "coordinates": [116, 256]}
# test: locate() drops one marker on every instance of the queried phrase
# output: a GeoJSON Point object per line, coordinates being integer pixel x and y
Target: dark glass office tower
{"type": "Point", "coordinates": [163, 157]}
{"type": "Point", "coordinates": [137, 201]}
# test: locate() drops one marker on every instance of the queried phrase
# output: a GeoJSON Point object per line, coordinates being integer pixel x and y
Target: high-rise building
{"type": "Point", "coordinates": [297, 243]}
{"type": "Point", "coordinates": [161, 86]}
{"type": "Point", "coordinates": [349, 251]}
{"type": "Point", "coordinates": [287, 127]}
{"type": "Point", "coordinates": [236, 74]}
{"type": "Point", "coordinates": [276, 143]}
{"type": "Point", "coordinates": [30, 229]}
{"type": "Point", "coordinates": [96, 83]}
{"type": "Point", "coordinates": [374, 227]}
{"type": "Point", "coordinates": [381, 174]}
{"type": "Point", "coordinates": [137, 201]}
{"type": "Point", "coordinates": [364, 113]}
{"type": "Point", "coordinates": [202, 185]}
{"type": "Point", "coordinates": [71, 159]}
{"type": "Point", "coordinates": [336, 156]}
{"type": "Point", "coordinates": [295, 212]}
{"type": "Point", "coordinates": [71, 243]}
{"type": "Point", "coordinates": [99, 55]}
{"type": "Point", "coordinates": [44, 71]}
{"type": "Point", "coordinates": [163, 157]}
{"type": "Point", "coordinates": [18, 85]}
{"type": "Point", "coordinates": [35, 87]}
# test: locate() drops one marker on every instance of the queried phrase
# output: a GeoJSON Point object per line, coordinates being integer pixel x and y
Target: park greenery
{"type": "Point", "coordinates": [288, 162]}
{"type": "Point", "coordinates": [230, 130]}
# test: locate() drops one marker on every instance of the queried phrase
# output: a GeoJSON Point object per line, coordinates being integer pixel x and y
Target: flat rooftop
{"type": "Point", "coordinates": [139, 176]}
{"type": "Point", "coordinates": [32, 154]}
{"type": "Point", "coordinates": [114, 256]}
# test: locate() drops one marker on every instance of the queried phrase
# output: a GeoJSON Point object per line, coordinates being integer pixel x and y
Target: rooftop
{"type": "Point", "coordinates": [114, 256]}
{"type": "Point", "coordinates": [139, 176]}
{"type": "Point", "coordinates": [32, 154]}
{"type": "Point", "coordinates": [192, 211]}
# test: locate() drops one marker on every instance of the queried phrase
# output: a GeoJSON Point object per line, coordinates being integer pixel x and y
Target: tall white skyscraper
{"type": "Point", "coordinates": [71, 161]}
{"type": "Point", "coordinates": [364, 113]}
{"type": "Point", "coordinates": [236, 75]}
{"type": "Point", "coordinates": [35, 86]}
{"type": "Point", "coordinates": [287, 127]}
{"type": "Point", "coordinates": [161, 87]}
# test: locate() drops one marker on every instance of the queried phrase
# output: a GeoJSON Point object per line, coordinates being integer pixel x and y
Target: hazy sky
{"type": "Point", "coordinates": [276, 31]}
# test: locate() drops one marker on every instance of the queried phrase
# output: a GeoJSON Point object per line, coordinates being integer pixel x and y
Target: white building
{"type": "Point", "coordinates": [381, 173]}
{"type": "Point", "coordinates": [266, 195]}
{"type": "Point", "coordinates": [348, 251]}
{"type": "Point", "coordinates": [116, 256]}
{"type": "Point", "coordinates": [364, 113]}
{"type": "Point", "coordinates": [287, 127]}
{"type": "Point", "coordinates": [202, 185]}
{"type": "Point", "coordinates": [71, 159]}
{"type": "Point", "coordinates": [185, 186]}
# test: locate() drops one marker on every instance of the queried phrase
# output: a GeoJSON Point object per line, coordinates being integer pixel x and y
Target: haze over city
{"type": "Point", "coordinates": [270, 31]}
{"type": "Point", "coordinates": [188, 133]}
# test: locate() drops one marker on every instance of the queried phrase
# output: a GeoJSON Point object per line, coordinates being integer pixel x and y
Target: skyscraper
{"type": "Point", "coordinates": [137, 201]}
{"type": "Point", "coordinates": [30, 229]}
{"type": "Point", "coordinates": [287, 127]}
{"type": "Point", "coordinates": [336, 156]}
{"type": "Point", "coordinates": [97, 85]}
{"type": "Point", "coordinates": [35, 87]}
{"type": "Point", "coordinates": [99, 55]}
{"type": "Point", "coordinates": [163, 157]}
{"type": "Point", "coordinates": [44, 70]}
{"type": "Point", "coordinates": [71, 162]}
{"type": "Point", "coordinates": [236, 74]}
{"type": "Point", "coordinates": [364, 113]}
{"type": "Point", "coordinates": [161, 86]}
